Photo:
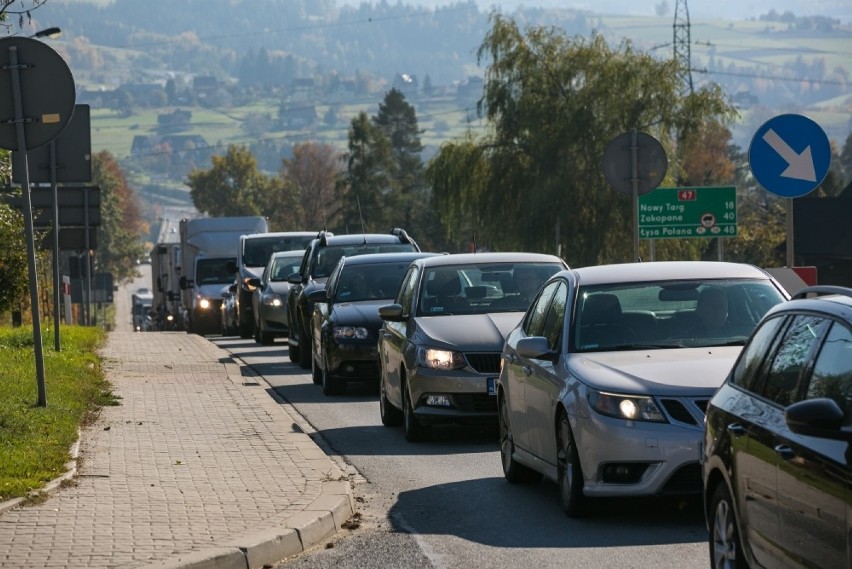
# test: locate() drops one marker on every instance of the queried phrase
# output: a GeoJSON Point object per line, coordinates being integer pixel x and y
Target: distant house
{"type": "Point", "coordinates": [175, 120]}
{"type": "Point", "coordinates": [204, 85]}
{"type": "Point", "coordinates": [297, 117]}
{"type": "Point", "coordinates": [145, 94]}
{"type": "Point", "coordinates": [822, 236]}
{"type": "Point", "coordinates": [146, 143]}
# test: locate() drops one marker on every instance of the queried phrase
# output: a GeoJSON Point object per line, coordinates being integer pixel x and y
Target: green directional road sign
{"type": "Point", "coordinates": [672, 213]}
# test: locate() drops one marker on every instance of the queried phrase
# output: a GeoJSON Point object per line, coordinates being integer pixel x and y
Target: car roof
{"type": "Point", "coordinates": [290, 253]}
{"type": "Point", "coordinates": [356, 238]}
{"type": "Point", "coordinates": [281, 234]}
{"type": "Point", "coordinates": [377, 258]}
{"type": "Point", "coordinates": [484, 258]}
{"type": "Point", "coordinates": [828, 300]}
{"type": "Point", "coordinates": [666, 270]}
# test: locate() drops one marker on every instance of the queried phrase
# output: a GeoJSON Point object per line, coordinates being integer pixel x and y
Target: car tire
{"type": "Point", "coordinates": [725, 547]}
{"type": "Point", "coordinates": [256, 334]}
{"type": "Point", "coordinates": [391, 416]}
{"type": "Point", "coordinates": [514, 471]}
{"type": "Point", "coordinates": [304, 348]}
{"type": "Point", "coordinates": [316, 372]}
{"type": "Point", "coordinates": [413, 429]}
{"type": "Point", "coordinates": [332, 385]}
{"type": "Point", "coordinates": [569, 474]}
{"type": "Point", "coordinates": [292, 349]}
{"type": "Point", "coordinates": [266, 338]}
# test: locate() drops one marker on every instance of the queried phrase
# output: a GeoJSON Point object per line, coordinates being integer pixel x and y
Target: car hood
{"type": "Point", "coordinates": [214, 291]}
{"type": "Point", "coordinates": [278, 287]}
{"type": "Point", "coordinates": [363, 313]}
{"type": "Point", "coordinates": [682, 371]}
{"type": "Point", "coordinates": [465, 332]}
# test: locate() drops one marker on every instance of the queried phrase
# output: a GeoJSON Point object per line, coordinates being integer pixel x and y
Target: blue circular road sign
{"type": "Point", "coordinates": [789, 155]}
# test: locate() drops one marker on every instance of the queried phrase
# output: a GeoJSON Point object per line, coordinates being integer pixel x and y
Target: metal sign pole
{"type": "Point", "coordinates": [88, 258]}
{"type": "Point", "coordinates": [634, 179]}
{"type": "Point", "coordinates": [56, 276]}
{"type": "Point", "coordinates": [28, 224]}
{"type": "Point", "coordinates": [791, 260]}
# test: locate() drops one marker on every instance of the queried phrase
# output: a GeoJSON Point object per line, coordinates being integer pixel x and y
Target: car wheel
{"type": "Point", "coordinates": [391, 416]}
{"type": "Point", "coordinates": [292, 349]}
{"type": "Point", "coordinates": [332, 385]}
{"type": "Point", "coordinates": [725, 550]}
{"type": "Point", "coordinates": [513, 471]}
{"type": "Point", "coordinates": [304, 349]}
{"type": "Point", "coordinates": [569, 473]}
{"type": "Point", "coordinates": [244, 326]}
{"type": "Point", "coordinates": [256, 333]}
{"type": "Point", "coordinates": [414, 430]}
{"type": "Point", "coordinates": [316, 373]}
{"type": "Point", "coordinates": [267, 338]}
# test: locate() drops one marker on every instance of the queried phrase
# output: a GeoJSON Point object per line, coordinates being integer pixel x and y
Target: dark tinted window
{"type": "Point", "coordinates": [405, 296]}
{"type": "Point", "coordinates": [832, 375]}
{"type": "Point", "coordinates": [555, 317]}
{"type": "Point", "coordinates": [537, 316]}
{"type": "Point", "coordinates": [800, 340]}
{"type": "Point", "coordinates": [748, 367]}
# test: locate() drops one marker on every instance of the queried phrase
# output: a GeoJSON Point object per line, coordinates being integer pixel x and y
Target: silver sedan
{"type": "Point", "coordinates": [604, 383]}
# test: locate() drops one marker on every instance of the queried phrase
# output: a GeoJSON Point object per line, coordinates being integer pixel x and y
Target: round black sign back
{"type": "Point", "coordinates": [651, 163]}
{"type": "Point", "coordinates": [47, 92]}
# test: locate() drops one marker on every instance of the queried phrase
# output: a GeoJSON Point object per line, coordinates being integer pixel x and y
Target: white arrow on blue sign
{"type": "Point", "coordinates": [789, 155]}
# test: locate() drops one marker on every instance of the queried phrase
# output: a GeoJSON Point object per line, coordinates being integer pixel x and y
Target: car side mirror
{"type": "Point", "coordinates": [821, 417]}
{"type": "Point", "coordinates": [391, 313]}
{"type": "Point", "coordinates": [254, 281]}
{"type": "Point", "coordinates": [294, 278]}
{"type": "Point", "coordinates": [318, 296]}
{"type": "Point", "coordinates": [186, 283]}
{"type": "Point", "coordinates": [535, 348]}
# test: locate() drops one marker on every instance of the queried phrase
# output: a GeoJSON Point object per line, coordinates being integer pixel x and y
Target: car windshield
{"type": "Point", "coordinates": [258, 250]}
{"type": "Point", "coordinates": [213, 271]}
{"type": "Point", "coordinates": [329, 256]}
{"type": "Point", "coordinates": [481, 289]}
{"type": "Point", "coordinates": [369, 282]}
{"type": "Point", "coordinates": [282, 267]}
{"type": "Point", "coordinates": [686, 313]}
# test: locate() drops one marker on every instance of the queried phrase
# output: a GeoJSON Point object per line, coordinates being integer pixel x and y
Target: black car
{"type": "Point", "coordinates": [320, 258]}
{"type": "Point", "coordinates": [345, 324]}
{"type": "Point", "coordinates": [776, 464]}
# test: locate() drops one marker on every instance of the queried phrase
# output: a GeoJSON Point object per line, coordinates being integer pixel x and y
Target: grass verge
{"type": "Point", "coordinates": [35, 441]}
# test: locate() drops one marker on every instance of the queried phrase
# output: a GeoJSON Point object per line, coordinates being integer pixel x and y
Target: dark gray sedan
{"type": "Point", "coordinates": [439, 346]}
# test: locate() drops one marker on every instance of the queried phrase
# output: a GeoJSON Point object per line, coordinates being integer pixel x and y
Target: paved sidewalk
{"type": "Point", "coordinates": [197, 467]}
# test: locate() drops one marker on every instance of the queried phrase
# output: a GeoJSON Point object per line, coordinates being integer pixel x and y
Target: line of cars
{"type": "Point", "coordinates": [617, 380]}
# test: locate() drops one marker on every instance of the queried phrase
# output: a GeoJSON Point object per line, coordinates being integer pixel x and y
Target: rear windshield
{"type": "Point", "coordinates": [329, 256]}
{"type": "Point", "coordinates": [258, 250]}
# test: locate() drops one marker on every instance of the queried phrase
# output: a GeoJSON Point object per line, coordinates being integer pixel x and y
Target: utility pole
{"type": "Point", "coordinates": [682, 42]}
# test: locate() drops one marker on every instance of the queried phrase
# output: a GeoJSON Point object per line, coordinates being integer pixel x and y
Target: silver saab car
{"type": "Point", "coordinates": [440, 343]}
{"type": "Point", "coordinates": [605, 381]}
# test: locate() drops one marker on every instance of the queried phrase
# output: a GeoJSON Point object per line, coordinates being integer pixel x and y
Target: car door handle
{"type": "Point", "coordinates": [736, 429]}
{"type": "Point", "coordinates": [785, 452]}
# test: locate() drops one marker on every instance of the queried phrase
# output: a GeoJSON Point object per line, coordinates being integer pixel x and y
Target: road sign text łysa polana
{"type": "Point", "coordinates": [671, 213]}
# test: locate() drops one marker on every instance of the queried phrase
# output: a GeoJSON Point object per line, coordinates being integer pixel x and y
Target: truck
{"type": "Point", "coordinates": [165, 277]}
{"type": "Point", "coordinates": [208, 250]}
{"type": "Point", "coordinates": [140, 307]}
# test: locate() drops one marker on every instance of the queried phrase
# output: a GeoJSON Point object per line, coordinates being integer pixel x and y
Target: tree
{"type": "Point", "coordinates": [20, 13]}
{"type": "Point", "coordinates": [121, 230]}
{"type": "Point", "coordinates": [313, 172]}
{"type": "Point", "coordinates": [233, 186]}
{"type": "Point", "coordinates": [553, 104]}
{"type": "Point", "coordinates": [363, 191]}
{"type": "Point", "coordinates": [14, 277]}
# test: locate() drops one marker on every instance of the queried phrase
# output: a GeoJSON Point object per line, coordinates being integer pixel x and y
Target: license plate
{"type": "Point", "coordinates": [492, 385]}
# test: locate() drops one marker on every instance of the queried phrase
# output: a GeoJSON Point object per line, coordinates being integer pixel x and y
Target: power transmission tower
{"type": "Point", "coordinates": [682, 42]}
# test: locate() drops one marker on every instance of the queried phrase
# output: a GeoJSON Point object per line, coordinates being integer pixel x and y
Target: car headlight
{"type": "Point", "coordinates": [439, 359]}
{"type": "Point", "coordinates": [350, 333]}
{"type": "Point", "coordinates": [272, 300]}
{"type": "Point", "coordinates": [629, 407]}
{"type": "Point", "coordinates": [203, 303]}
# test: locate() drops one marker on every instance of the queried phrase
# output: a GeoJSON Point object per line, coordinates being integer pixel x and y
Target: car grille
{"type": "Point", "coordinates": [687, 480]}
{"type": "Point", "coordinates": [685, 410]}
{"type": "Point", "coordinates": [484, 363]}
{"type": "Point", "coordinates": [475, 402]}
